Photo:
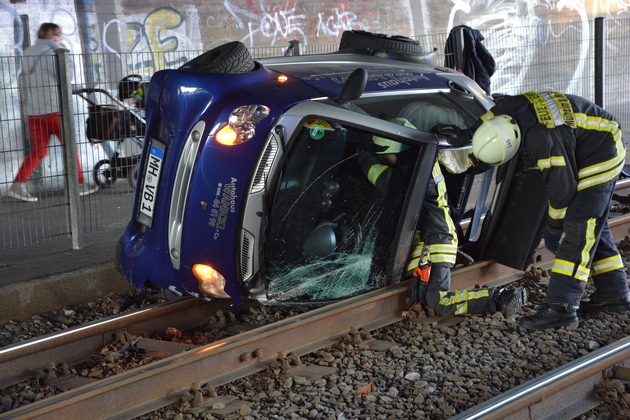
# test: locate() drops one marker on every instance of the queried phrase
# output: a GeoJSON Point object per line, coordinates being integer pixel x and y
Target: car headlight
{"type": "Point", "coordinates": [241, 124]}
{"type": "Point", "coordinates": [211, 282]}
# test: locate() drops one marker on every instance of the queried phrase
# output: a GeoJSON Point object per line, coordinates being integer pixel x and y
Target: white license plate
{"type": "Point", "coordinates": [150, 182]}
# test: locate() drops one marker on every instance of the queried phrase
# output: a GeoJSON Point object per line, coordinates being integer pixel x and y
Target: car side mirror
{"type": "Point", "coordinates": [354, 86]}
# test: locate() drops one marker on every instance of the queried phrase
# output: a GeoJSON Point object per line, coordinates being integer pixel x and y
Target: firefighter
{"type": "Point", "coordinates": [577, 146]}
{"type": "Point", "coordinates": [434, 249]}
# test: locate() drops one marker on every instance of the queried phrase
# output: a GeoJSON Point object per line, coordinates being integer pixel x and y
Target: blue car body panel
{"type": "Point", "coordinates": [220, 176]}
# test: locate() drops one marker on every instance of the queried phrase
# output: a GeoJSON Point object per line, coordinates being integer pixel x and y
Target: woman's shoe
{"type": "Point", "coordinates": [20, 192]}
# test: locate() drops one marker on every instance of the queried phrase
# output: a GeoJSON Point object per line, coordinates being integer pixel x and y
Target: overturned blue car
{"type": "Point", "coordinates": [250, 185]}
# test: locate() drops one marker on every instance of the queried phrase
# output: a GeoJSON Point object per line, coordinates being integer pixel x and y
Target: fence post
{"type": "Point", "coordinates": [459, 49]}
{"type": "Point", "coordinates": [454, 51]}
{"type": "Point", "coordinates": [600, 94]}
{"type": "Point", "coordinates": [295, 48]}
{"type": "Point", "coordinates": [69, 144]}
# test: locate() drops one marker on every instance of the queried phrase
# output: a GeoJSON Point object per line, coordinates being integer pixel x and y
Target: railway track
{"type": "Point", "coordinates": [565, 392]}
{"type": "Point", "coordinates": [178, 367]}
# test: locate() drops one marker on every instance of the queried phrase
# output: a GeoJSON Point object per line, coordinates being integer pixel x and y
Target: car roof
{"type": "Point", "coordinates": [328, 72]}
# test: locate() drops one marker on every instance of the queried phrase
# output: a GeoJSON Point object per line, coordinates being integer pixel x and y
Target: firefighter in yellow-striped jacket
{"type": "Point", "coordinates": [577, 146]}
{"type": "Point", "coordinates": [434, 249]}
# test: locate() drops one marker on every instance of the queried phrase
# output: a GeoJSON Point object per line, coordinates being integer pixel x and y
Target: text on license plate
{"type": "Point", "coordinates": [150, 182]}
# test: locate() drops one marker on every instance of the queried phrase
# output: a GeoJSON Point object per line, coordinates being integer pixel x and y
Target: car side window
{"type": "Point", "coordinates": [335, 212]}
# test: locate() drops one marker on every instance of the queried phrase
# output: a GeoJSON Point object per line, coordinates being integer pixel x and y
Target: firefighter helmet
{"type": "Point", "coordinates": [390, 146]}
{"type": "Point", "coordinates": [496, 140]}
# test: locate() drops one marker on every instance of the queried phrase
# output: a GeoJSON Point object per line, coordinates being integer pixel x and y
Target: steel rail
{"type": "Point", "coordinates": [145, 389]}
{"type": "Point", "coordinates": [77, 344]}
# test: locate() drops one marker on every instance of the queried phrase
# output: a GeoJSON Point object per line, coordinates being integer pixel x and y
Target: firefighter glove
{"type": "Point", "coordinates": [552, 239]}
{"type": "Point", "coordinates": [454, 135]}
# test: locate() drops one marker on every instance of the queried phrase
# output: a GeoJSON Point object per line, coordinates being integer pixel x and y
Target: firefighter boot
{"type": "Point", "coordinates": [551, 315]}
{"type": "Point", "coordinates": [509, 301]}
{"type": "Point", "coordinates": [617, 304]}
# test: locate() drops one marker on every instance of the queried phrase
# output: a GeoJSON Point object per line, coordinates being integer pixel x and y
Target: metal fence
{"type": "Point", "coordinates": [564, 57]}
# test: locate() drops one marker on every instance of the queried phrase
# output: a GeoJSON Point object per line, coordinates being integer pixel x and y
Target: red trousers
{"type": "Point", "coordinates": [41, 128]}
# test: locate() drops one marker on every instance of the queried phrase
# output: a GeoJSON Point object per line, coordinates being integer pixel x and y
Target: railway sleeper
{"type": "Point", "coordinates": [614, 391]}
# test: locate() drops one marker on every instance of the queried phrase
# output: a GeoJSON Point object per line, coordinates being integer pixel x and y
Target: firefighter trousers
{"type": "Point", "coordinates": [587, 250]}
{"type": "Point", "coordinates": [456, 302]}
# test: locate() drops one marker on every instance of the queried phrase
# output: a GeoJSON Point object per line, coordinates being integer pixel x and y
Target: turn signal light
{"type": "Point", "coordinates": [211, 282]}
{"type": "Point", "coordinates": [226, 136]}
{"type": "Point", "coordinates": [241, 125]}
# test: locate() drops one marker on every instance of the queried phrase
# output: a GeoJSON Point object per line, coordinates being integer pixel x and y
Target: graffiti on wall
{"type": "Point", "coordinates": [333, 24]}
{"type": "Point", "coordinates": [529, 26]}
{"type": "Point", "coordinates": [279, 22]}
{"type": "Point", "coordinates": [269, 22]}
{"type": "Point", "coordinates": [272, 24]}
{"type": "Point", "coordinates": [11, 46]}
{"type": "Point", "coordinates": [517, 31]}
{"type": "Point", "coordinates": [149, 40]}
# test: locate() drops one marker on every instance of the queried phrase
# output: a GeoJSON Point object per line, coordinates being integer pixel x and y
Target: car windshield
{"type": "Point", "coordinates": [328, 217]}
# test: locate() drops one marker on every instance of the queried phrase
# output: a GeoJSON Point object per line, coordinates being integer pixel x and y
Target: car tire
{"type": "Point", "coordinates": [104, 174]}
{"type": "Point", "coordinates": [379, 42]}
{"type": "Point", "coordinates": [233, 57]}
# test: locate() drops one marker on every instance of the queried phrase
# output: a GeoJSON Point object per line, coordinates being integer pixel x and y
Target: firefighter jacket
{"type": "Point", "coordinates": [436, 229]}
{"type": "Point", "coordinates": [478, 63]}
{"type": "Point", "coordinates": [574, 143]}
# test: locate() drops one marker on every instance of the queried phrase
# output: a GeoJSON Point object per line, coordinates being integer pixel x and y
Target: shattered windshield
{"type": "Point", "coordinates": [335, 213]}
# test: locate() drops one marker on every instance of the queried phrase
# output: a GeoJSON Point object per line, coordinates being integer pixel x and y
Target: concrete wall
{"type": "Point", "coordinates": [150, 25]}
{"type": "Point", "coordinates": [120, 29]}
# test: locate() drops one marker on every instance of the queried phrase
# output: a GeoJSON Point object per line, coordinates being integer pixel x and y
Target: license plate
{"type": "Point", "coordinates": [150, 182]}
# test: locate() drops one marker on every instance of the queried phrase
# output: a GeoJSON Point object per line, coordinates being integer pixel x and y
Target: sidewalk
{"type": "Point", "coordinates": [50, 274]}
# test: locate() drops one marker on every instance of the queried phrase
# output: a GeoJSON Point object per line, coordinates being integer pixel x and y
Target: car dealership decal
{"type": "Point", "coordinates": [387, 80]}
{"type": "Point", "coordinates": [384, 79]}
{"type": "Point", "coordinates": [224, 202]}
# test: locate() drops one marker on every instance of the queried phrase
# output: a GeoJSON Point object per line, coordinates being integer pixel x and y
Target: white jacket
{"type": "Point", "coordinates": [41, 78]}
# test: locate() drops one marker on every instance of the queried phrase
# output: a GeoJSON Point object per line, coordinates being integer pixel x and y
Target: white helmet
{"type": "Point", "coordinates": [496, 140]}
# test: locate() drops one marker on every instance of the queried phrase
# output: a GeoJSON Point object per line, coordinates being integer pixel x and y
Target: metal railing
{"type": "Point", "coordinates": [587, 58]}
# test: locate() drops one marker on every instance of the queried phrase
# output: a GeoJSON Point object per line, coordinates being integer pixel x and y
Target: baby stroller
{"type": "Point", "coordinates": [132, 88]}
{"type": "Point", "coordinates": [111, 120]}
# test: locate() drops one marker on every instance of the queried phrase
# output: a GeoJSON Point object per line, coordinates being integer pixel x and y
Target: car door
{"type": "Point", "coordinates": [513, 225]}
{"type": "Point", "coordinates": [331, 233]}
